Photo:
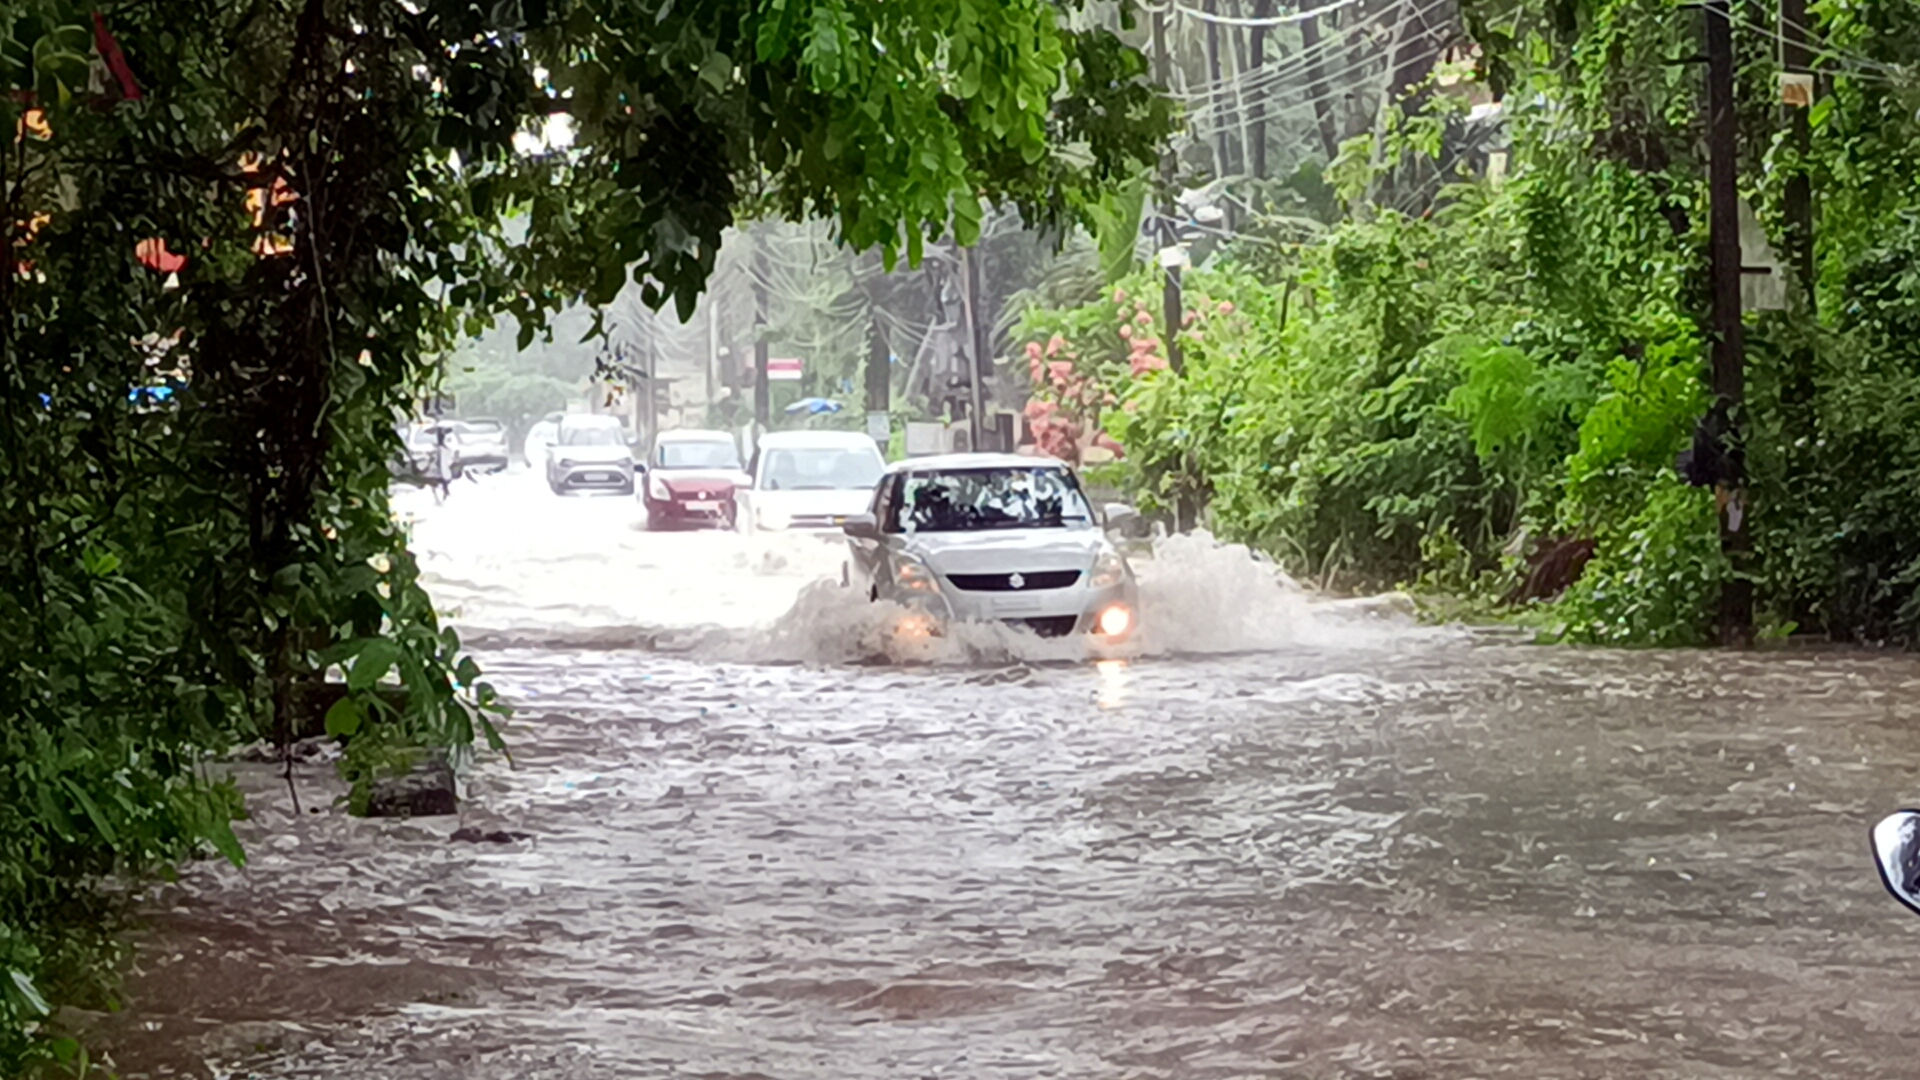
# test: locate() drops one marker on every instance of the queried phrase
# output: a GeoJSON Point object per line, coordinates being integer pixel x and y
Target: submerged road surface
{"type": "Point", "coordinates": [747, 842]}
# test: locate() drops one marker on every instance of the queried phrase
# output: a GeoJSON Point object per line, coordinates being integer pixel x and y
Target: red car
{"type": "Point", "coordinates": [691, 480]}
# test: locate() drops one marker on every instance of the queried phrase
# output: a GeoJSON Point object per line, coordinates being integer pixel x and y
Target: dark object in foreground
{"type": "Point", "coordinates": [1714, 458]}
{"type": "Point", "coordinates": [1896, 854]}
{"type": "Point", "coordinates": [470, 835]}
{"type": "Point", "coordinates": [427, 791]}
{"type": "Point", "coordinates": [1552, 568]}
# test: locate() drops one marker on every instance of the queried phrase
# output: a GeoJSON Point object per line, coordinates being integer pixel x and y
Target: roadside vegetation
{"type": "Point", "coordinates": [1483, 393]}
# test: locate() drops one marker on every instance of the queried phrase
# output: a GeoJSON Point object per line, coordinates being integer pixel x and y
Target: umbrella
{"type": "Point", "coordinates": [813, 406]}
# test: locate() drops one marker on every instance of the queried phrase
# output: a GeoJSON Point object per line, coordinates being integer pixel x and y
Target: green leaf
{"type": "Point", "coordinates": [1817, 115]}
{"type": "Point", "coordinates": [344, 718]}
{"type": "Point", "coordinates": [373, 663]}
{"type": "Point", "coordinates": [219, 833]}
{"type": "Point", "coordinates": [717, 71]}
{"type": "Point", "coordinates": [87, 804]}
{"type": "Point", "coordinates": [23, 988]}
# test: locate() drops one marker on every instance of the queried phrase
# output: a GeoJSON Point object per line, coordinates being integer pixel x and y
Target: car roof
{"type": "Point", "coordinates": [777, 440]}
{"type": "Point", "coordinates": [591, 419]}
{"type": "Point", "coordinates": [956, 462]}
{"type": "Point", "coordinates": [693, 435]}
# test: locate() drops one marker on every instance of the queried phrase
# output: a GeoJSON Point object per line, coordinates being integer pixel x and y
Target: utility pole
{"type": "Point", "coordinates": [1729, 375]}
{"type": "Point", "coordinates": [1170, 233]}
{"type": "Point", "coordinates": [1222, 139]}
{"type": "Point", "coordinates": [1796, 59]}
{"type": "Point", "coordinates": [1257, 59]}
{"type": "Point", "coordinates": [713, 340]}
{"type": "Point", "coordinates": [970, 301]}
{"type": "Point", "coordinates": [762, 408]}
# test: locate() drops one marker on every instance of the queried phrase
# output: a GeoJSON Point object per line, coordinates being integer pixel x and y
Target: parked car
{"type": "Point", "coordinates": [421, 441]}
{"type": "Point", "coordinates": [810, 479]}
{"type": "Point", "coordinates": [590, 454]}
{"type": "Point", "coordinates": [692, 479]}
{"type": "Point", "coordinates": [533, 450]}
{"type": "Point", "coordinates": [981, 537]}
{"type": "Point", "coordinates": [483, 445]}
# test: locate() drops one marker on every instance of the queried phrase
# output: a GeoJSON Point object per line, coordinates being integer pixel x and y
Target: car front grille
{"type": "Point", "coordinates": [1051, 626]}
{"type": "Point", "coordinates": [1038, 579]}
{"type": "Point", "coordinates": [610, 476]}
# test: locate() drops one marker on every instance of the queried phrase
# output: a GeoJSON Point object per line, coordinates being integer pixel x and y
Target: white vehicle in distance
{"type": "Point", "coordinates": [810, 479]}
{"type": "Point", "coordinates": [533, 450]}
{"type": "Point", "coordinates": [483, 445]}
{"type": "Point", "coordinates": [591, 454]}
{"type": "Point", "coordinates": [983, 537]}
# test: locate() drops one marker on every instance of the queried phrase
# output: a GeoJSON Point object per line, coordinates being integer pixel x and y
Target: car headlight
{"type": "Point", "coordinates": [658, 489]}
{"type": "Point", "coordinates": [915, 577]}
{"type": "Point", "coordinates": [1108, 570]}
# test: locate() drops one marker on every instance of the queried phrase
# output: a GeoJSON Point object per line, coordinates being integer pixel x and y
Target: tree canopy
{"type": "Point", "coordinates": [236, 236]}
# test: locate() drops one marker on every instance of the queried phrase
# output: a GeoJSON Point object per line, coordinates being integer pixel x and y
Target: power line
{"type": "Point", "coordinates": [1221, 113]}
{"type": "Point", "coordinates": [1259, 77]}
{"type": "Point", "coordinates": [1273, 20]}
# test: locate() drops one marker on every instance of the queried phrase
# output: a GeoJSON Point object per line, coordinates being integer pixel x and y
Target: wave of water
{"type": "Point", "coordinates": [515, 566]}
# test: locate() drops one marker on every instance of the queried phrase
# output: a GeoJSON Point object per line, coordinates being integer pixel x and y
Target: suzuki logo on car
{"type": "Point", "coordinates": [1017, 582]}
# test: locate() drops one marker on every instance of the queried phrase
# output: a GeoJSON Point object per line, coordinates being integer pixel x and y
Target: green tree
{"type": "Point", "coordinates": [297, 207]}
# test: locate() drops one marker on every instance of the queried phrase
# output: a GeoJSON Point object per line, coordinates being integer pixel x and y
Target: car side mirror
{"type": "Point", "coordinates": [1896, 854]}
{"type": "Point", "coordinates": [1118, 514]}
{"type": "Point", "coordinates": [861, 527]}
{"type": "Point", "coordinates": [639, 468]}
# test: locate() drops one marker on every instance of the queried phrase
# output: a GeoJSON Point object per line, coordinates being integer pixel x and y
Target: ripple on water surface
{"type": "Point", "coordinates": [1337, 852]}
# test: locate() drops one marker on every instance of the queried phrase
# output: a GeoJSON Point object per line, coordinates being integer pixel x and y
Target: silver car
{"type": "Point", "coordinates": [984, 537]}
{"type": "Point", "coordinates": [591, 455]}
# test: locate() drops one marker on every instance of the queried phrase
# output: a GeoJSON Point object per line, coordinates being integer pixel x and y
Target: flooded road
{"type": "Point", "coordinates": [739, 842]}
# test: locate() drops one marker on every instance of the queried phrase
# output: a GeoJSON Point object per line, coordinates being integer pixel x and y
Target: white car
{"type": "Point", "coordinates": [810, 479]}
{"type": "Point", "coordinates": [483, 445]}
{"type": "Point", "coordinates": [591, 454]}
{"type": "Point", "coordinates": [981, 537]}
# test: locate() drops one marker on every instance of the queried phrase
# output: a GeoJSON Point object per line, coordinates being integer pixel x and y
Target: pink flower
{"type": "Point", "coordinates": [1061, 371]}
{"type": "Point", "coordinates": [1226, 307]}
{"type": "Point", "coordinates": [1033, 350]}
{"type": "Point", "coordinates": [1055, 344]}
{"type": "Point", "coordinates": [1126, 331]}
{"type": "Point", "coordinates": [1143, 319]}
{"type": "Point", "coordinates": [1119, 295]}
{"type": "Point", "coordinates": [1187, 319]}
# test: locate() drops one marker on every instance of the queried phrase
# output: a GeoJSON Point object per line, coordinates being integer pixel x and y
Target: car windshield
{"type": "Point", "coordinates": [692, 454]}
{"type": "Point", "coordinates": [592, 436]}
{"type": "Point", "coordinates": [484, 427]}
{"type": "Point", "coordinates": [962, 500]}
{"type": "Point", "coordinates": [820, 469]}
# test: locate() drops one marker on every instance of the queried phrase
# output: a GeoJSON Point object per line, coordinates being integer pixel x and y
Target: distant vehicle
{"type": "Point", "coordinates": [483, 445]}
{"type": "Point", "coordinates": [590, 454]}
{"type": "Point", "coordinates": [692, 478]}
{"type": "Point", "coordinates": [983, 537]}
{"type": "Point", "coordinates": [810, 479]}
{"type": "Point", "coordinates": [533, 450]}
{"type": "Point", "coordinates": [421, 442]}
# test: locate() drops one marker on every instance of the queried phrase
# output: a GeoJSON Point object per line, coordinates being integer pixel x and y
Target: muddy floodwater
{"type": "Point", "coordinates": [740, 838]}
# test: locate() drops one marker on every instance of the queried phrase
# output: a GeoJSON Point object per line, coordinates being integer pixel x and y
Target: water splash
{"type": "Point", "coordinates": [514, 566]}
